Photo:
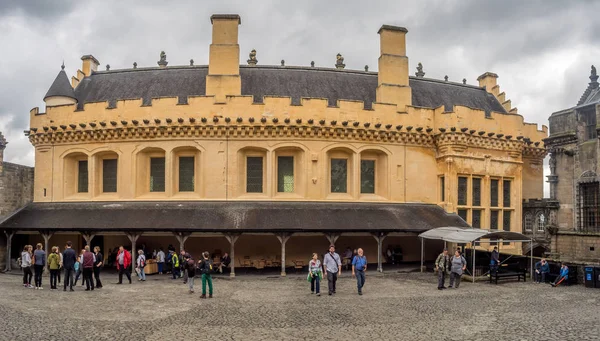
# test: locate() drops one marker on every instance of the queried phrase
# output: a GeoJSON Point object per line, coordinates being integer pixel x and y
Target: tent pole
{"type": "Point", "coordinates": [422, 242]}
{"type": "Point", "coordinates": [531, 258]}
{"type": "Point", "coordinates": [473, 248]}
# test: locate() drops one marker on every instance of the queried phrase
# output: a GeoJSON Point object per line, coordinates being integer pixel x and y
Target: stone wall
{"type": "Point", "coordinates": [572, 246]}
{"type": "Point", "coordinates": [16, 190]}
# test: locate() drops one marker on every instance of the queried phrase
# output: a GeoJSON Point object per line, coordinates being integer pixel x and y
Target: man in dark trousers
{"type": "Point", "coordinates": [442, 265]}
{"type": "Point", "coordinates": [87, 262]}
{"type": "Point", "coordinates": [332, 265]}
{"type": "Point", "coordinates": [69, 259]}
{"type": "Point", "coordinates": [123, 264]}
{"type": "Point", "coordinates": [495, 261]}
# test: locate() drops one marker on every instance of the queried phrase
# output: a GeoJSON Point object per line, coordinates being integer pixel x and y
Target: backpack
{"type": "Point", "coordinates": [143, 262]}
{"type": "Point", "coordinates": [206, 266]}
{"type": "Point", "coordinates": [190, 263]}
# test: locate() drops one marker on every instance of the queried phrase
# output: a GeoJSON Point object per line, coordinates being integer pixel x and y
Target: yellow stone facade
{"type": "Point", "coordinates": [413, 147]}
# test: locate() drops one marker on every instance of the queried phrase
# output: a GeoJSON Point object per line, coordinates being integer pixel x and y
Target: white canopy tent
{"type": "Point", "coordinates": [473, 236]}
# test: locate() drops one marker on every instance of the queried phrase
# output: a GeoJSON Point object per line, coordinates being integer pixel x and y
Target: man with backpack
{"type": "Point", "coordinates": [206, 269]}
{"type": "Point", "coordinates": [183, 256]}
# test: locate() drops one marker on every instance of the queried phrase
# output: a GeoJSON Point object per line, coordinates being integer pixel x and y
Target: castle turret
{"type": "Point", "coordinates": [61, 92]}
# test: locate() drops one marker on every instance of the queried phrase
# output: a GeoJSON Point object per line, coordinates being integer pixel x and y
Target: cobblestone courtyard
{"type": "Point", "coordinates": [394, 307]}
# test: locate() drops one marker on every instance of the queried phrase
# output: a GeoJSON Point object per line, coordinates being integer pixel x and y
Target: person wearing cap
{"type": "Point", "coordinates": [332, 266]}
{"type": "Point", "coordinates": [442, 264]}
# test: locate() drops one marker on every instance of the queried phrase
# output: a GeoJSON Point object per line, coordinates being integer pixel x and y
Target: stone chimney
{"type": "Point", "coordinates": [488, 80]}
{"type": "Point", "coordinates": [392, 79]}
{"type": "Point", "coordinates": [90, 64]}
{"type": "Point", "coordinates": [223, 77]}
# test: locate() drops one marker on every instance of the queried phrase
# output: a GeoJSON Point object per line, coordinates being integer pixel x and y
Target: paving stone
{"type": "Point", "coordinates": [393, 307]}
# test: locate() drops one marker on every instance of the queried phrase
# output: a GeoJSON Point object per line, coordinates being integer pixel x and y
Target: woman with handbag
{"type": "Point", "coordinates": [315, 274]}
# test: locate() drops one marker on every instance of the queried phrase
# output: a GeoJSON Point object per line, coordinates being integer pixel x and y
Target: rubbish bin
{"type": "Point", "coordinates": [589, 276]}
{"type": "Point", "coordinates": [597, 276]}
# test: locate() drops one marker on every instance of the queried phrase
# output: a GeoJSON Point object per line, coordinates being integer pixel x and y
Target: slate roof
{"type": "Point", "coordinates": [259, 81]}
{"type": "Point", "coordinates": [61, 86]}
{"type": "Point", "coordinates": [231, 216]}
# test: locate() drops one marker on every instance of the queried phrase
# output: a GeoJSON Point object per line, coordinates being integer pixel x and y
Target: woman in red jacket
{"type": "Point", "coordinates": [123, 264]}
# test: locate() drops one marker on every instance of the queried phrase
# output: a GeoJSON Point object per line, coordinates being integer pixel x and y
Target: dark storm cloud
{"type": "Point", "coordinates": [43, 9]}
{"type": "Point", "coordinates": [542, 50]}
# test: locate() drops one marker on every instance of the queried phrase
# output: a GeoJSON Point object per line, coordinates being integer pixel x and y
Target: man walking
{"type": "Point", "coordinates": [359, 266]}
{"type": "Point", "coordinates": [333, 268]}
{"type": "Point", "coordinates": [442, 264]}
{"type": "Point", "coordinates": [182, 267]}
{"type": "Point", "coordinates": [123, 264]}
{"type": "Point", "coordinates": [87, 262]}
{"type": "Point", "coordinates": [69, 260]}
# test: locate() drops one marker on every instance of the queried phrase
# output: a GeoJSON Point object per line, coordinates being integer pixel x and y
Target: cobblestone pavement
{"type": "Point", "coordinates": [393, 307]}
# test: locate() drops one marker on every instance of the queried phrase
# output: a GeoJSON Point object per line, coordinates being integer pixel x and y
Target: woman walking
{"type": "Point", "coordinates": [60, 255]}
{"type": "Point", "coordinates": [54, 264]}
{"type": "Point", "coordinates": [190, 267]}
{"type": "Point", "coordinates": [39, 262]}
{"type": "Point", "coordinates": [79, 268]}
{"type": "Point", "coordinates": [141, 263]}
{"type": "Point", "coordinates": [205, 268]}
{"type": "Point", "coordinates": [26, 266]}
{"type": "Point", "coordinates": [315, 274]}
{"type": "Point", "coordinates": [97, 266]}
{"type": "Point", "coordinates": [458, 265]}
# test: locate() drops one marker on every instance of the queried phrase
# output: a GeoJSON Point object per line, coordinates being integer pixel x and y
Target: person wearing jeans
{"type": "Point", "coordinates": [332, 265]}
{"type": "Point", "coordinates": [141, 263]}
{"type": "Point", "coordinates": [315, 274]}
{"type": "Point", "coordinates": [39, 262]}
{"type": "Point", "coordinates": [190, 267]}
{"type": "Point", "coordinates": [359, 266]}
{"type": "Point", "coordinates": [542, 269]}
{"type": "Point", "coordinates": [26, 266]}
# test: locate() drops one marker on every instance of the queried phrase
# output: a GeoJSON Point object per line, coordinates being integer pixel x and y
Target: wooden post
{"type": "Point", "coordinates": [232, 238]}
{"type": "Point", "coordinates": [379, 237]}
{"type": "Point", "coordinates": [283, 238]}
{"type": "Point", "coordinates": [332, 238]}
{"type": "Point", "coordinates": [87, 236]}
{"type": "Point", "coordinates": [9, 235]}
{"type": "Point", "coordinates": [181, 238]}
{"type": "Point", "coordinates": [133, 237]}
{"type": "Point", "coordinates": [47, 235]}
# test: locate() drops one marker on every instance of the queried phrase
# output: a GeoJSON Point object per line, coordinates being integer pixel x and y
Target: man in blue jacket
{"type": "Point", "coordinates": [542, 268]}
{"type": "Point", "coordinates": [564, 275]}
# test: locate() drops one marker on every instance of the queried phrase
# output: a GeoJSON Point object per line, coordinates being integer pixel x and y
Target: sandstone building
{"type": "Point", "coordinates": [275, 162]}
{"type": "Point", "coordinates": [16, 191]}
{"type": "Point", "coordinates": [574, 226]}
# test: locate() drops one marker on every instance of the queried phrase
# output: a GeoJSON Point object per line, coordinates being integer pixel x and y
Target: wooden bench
{"type": "Point", "coordinates": [509, 273]}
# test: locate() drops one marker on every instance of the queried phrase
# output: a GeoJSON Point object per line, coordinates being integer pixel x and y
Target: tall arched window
{"type": "Point", "coordinates": [541, 222]}
{"type": "Point", "coordinates": [528, 222]}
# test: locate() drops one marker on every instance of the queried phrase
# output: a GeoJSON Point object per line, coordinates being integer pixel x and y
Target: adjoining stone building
{"type": "Point", "coordinates": [16, 191]}
{"type": "Point", "coordinates": [275, 162]}
{"type": "Point", "coordinates": [574, 180]}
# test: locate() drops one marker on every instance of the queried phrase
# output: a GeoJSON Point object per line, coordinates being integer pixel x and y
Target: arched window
{"type": "Point", "coordinates": [528, 222]}
{"type": "Point", "coordinates": [541, 222]}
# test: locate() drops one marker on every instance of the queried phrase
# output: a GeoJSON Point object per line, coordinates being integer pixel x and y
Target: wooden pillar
{"type": "Point", "coordinates": [9, 236]}
{"type": "Point", "coordinates": [87, 236]}
{"type": "Point", "coordinates": [332, 237]}
{"type": "Point", "coordinates": [46, 235]}
{"type": "Point", "coordinates": [232, 238]}
{"type": "Point", "coordinates": [283, 238]}
{"type": "Point", "coordinates": [133, 237]}
{"type": "Point", "coordinates": [181, 238]}
{"type": "Point", "coordinates": [379, 237]}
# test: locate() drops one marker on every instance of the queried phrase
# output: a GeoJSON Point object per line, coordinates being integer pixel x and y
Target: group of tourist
{"type": "Point", "coordinates": [452, 265]}
{"type": "Point", "coordinates": [332, 268]}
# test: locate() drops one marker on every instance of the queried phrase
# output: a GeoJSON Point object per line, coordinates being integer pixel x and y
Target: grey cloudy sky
{"type": "Point", "coordinates": [542, 50]}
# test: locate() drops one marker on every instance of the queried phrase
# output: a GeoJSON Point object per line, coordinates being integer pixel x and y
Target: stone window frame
{"type": "Point", "coordinates": [528, 222]}
{"type": "Point", "coordinates": [467, 209]}
{"type": "Point", "coordinates": [585, 178]}
{"type": "Point", "coordinates": [70, 174]}
{"type": "Point", "coordinates": [540, 220]}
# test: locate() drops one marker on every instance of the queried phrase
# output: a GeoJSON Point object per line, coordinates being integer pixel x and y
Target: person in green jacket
{"type": "Point", "coordinates": [54, 264]}
{"type": "Point", "coordinates": [206, 269]}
